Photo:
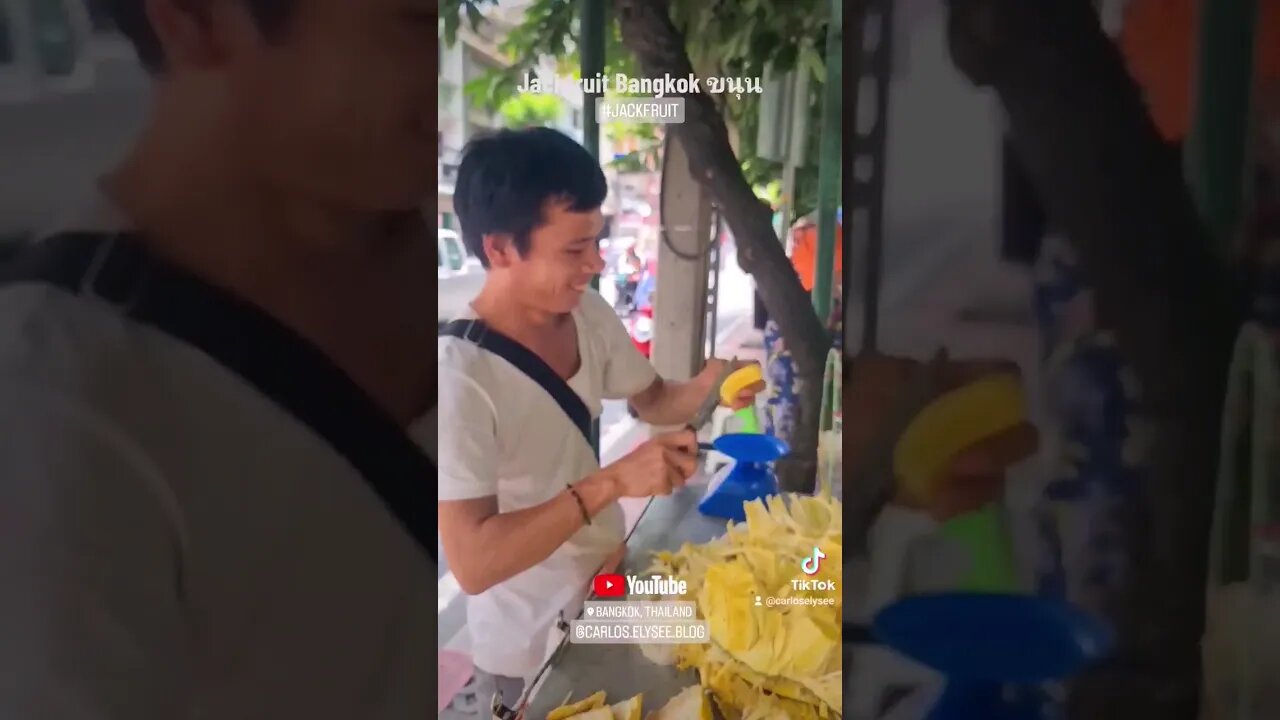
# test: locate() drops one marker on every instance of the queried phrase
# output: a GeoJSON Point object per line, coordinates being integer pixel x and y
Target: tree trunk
{"type": "Point", "coordinates": [659, 47]}
{"type": "Point", "coordinates": [1106, 178]}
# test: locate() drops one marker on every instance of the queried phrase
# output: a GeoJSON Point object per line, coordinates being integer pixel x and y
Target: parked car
{"type": "Point", "coordinates": [451, 257]}
{"type": "Point", "coordinates": [459, 275]}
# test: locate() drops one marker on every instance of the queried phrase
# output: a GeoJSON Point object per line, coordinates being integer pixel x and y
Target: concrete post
{"type": "Point", "coordinates": [680, 300]}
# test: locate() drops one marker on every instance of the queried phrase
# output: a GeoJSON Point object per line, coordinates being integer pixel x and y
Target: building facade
{"type": "Point", "coordinates": [476, 52]}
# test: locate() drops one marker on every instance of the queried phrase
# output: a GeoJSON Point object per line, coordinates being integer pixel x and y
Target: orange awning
{"type": "Point", "coordinates": [804, 253]}
{"type": "Point", "coordinates": [1159, 42]}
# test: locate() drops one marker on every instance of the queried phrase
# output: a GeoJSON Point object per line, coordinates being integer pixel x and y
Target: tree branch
{"type": "Point", "coordinates": [648, 32]}
{"type": "Point", "coordinates": [1093, 153]}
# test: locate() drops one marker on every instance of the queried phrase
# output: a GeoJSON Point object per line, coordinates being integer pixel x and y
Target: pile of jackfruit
{"type": "Point", "coordinates": [763, 661]}
{"type": "Point", "coordinates": [597, 707]}
{"type": "Point", "coordinates": [690, 704]}
{"type": "Point", "coordinates": [766, 659]}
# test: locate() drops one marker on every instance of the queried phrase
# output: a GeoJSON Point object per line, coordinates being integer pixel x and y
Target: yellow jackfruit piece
{"type": "Point", "coordinates": [661, 653]}
{"type": "Point", "coordinates": [829, 688]}
{"type": "Point", "coordinates": [602, 713]}
{"type": "Point", "coordinates": [688, 704]}
{"type": "Point", "coordinates": [564, 712]}
{"type": "Point", "coordinates": [728, 595]}
{"type": "Point", "coordinates": [627, 709]}
{"type": "Point", "coordinates": [951, 423]}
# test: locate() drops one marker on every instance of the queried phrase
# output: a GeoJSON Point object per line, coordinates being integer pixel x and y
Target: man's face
{"type": "Point", "coordinates": [337, 108]}
{"type": "Point", "coordinates": [562, 259]}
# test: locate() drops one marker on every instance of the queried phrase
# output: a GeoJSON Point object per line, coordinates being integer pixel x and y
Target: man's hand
{"type": "Point", "coordinates": [715, 367]}
{"type": "Point", "coordinates": [670, 402]}
{"type": "Point", "coordinates": [658, 466]}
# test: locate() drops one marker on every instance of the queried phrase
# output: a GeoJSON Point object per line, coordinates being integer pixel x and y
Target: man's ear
{"type": "Point", "coordinates": [499, 248]}
{"type": "Point", "coordinates": [198, 34]}
{"type": "Point", "coordinates": [182, 31]}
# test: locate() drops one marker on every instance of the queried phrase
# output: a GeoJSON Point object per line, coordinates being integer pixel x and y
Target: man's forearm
{"type": "Point", "coordinates": [507, 544]}
{"type": "Point", "coordinates": [669, 402]}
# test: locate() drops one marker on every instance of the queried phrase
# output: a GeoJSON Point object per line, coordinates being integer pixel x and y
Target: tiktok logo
{"type": "Point", "coordinates": [809, 566]}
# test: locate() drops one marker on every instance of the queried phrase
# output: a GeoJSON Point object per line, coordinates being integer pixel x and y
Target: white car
{"type": "Point", "coordinates": [459, 275]}
{"type": "Point", "coordinates": [451, 255]}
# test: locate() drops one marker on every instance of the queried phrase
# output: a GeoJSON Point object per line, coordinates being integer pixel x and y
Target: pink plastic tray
{"type": "Point", "coordinates": [455, 671]}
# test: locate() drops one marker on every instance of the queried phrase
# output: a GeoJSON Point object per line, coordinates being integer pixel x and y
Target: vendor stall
{"type": "Point", "coordinates": [769, 603]}
{"type": "Point", "coordinates": [621, 670]}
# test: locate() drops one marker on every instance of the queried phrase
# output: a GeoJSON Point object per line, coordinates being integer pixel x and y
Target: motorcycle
{"type": "Point", "coordinates": [640, 328]}
{"type": "Point", "coordinates": [639, 316]}
{"type": "Point", "coordinates": [628, 273]}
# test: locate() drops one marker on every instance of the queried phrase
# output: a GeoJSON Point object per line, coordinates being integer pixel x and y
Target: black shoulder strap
{"type": "Point", "coordinates": [527, 362]}
{"type": "Point", "coordinates": [115, 268]}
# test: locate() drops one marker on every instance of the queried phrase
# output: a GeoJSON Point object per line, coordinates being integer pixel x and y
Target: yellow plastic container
{"type": "Point", "coordinates": [737, 381]}
{"type": "Point", "coordinates": [948, 425]}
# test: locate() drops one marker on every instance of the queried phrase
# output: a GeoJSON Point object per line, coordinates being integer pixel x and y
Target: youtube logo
{"type": "Point", "coordinates": [609, 585]}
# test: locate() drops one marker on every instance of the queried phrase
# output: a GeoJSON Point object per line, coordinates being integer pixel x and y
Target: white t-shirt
{"type": "Point", "coordinates": [500, 434]}
{"type": "Point", "coordinates": [176, 545]}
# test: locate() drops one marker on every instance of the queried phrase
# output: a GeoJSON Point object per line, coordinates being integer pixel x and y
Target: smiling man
{"type": "Point", "coordinates": [527, 515]}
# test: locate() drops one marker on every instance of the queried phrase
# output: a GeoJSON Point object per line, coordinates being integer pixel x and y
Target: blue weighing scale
{"type": "Point", "coordinates": [995, 650]}
{"type": "Point", "coordinates": [750, 478]}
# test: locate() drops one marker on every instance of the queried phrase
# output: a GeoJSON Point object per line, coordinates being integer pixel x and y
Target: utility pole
{"type": "Point", "coordinates": [864, 191]}
{"type": "Point", "coordinates": [829, 167]}
{"type": "Point", "coordinates": [1216, 147]}
{"type": "Point", "coordinates": [591, 24]}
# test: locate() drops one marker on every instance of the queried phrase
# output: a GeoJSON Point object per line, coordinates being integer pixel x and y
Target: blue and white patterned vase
{"type": "Point", "coordinates": [1092, 495]}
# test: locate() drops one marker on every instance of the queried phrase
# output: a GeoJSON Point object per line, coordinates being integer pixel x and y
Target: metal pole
{"type": "Point", "coordinates": [829, 167]}
{"type": "Point", "coordinates": [591, 55]}
{"type": "Point", "coordinates": [591, 24]}
{"type": "Point", "coordinates": [794, 131]}
{"type": "Point", "coordinates": [713, 284]}
{"type": "Point", "coordinates": [848, 110]}
{"type": "Point", "coordinates": [874, 23]}
{"type": "Point", "coordinates": [1224, 84]}
{"type": "Point", "coordinates": [788, 204]}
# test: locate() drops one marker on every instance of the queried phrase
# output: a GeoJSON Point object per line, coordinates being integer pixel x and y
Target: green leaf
{"type": "Point", "coordinates": [529, 109]}
{"type": "Point", "coordinates": [450, 21]}
{"type": "Point", "coordinates": [474, 16]}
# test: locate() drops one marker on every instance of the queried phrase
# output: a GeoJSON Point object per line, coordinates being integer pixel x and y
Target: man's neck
{"type": "Point", "coordinates": [502, 310]}
{"type": "Point", "coordinates": [342, 280]}
{"type": "Point", "coordinates": [224, 223]}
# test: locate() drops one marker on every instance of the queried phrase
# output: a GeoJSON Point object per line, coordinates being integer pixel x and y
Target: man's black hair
{"type": "Point", "coordinates": [130, 17]}
{"type": "Point", "coordinates": [506, 179]}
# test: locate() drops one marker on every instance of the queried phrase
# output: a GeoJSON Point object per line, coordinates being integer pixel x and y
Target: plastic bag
{"type": "Point", "coordinates": [831, 428]}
